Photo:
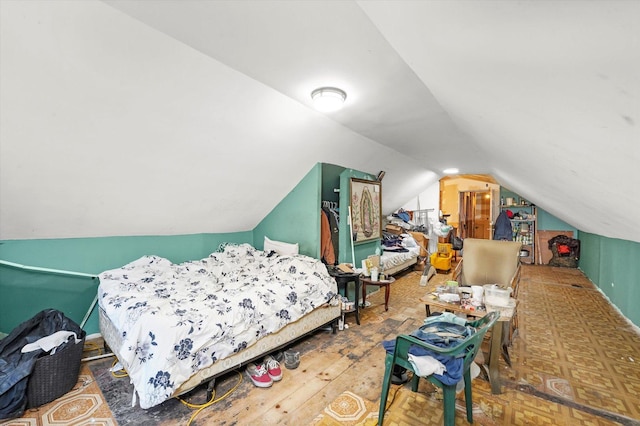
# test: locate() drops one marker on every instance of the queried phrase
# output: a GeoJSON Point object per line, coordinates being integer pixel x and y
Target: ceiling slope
{"type": "Point", "coordinates": [542, 95]}
{"type": "Point", "coordinates": [110, 127]}
{"type": "Point", "coordinates": [298, 46]}
{"type": "Point", "coordinates": [539, 94]}
{"type": "Point", "coordinates": [550, 90]}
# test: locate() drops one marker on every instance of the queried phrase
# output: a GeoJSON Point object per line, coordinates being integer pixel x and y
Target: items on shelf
{"type": "Point", "coordinates": [522, 216]}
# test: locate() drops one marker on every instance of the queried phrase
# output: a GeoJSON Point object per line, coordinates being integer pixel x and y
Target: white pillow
{"type": "Point", "coordinates": [280, 247]}
{"type": "Point", "coordinates": [408, 241]}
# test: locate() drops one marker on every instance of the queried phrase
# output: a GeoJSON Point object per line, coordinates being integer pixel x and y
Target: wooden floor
{"type": "Point", "coordinates": [576, 361]}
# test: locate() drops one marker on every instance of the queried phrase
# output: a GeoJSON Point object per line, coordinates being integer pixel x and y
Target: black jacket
{"type": "Point", "coordinates": [503, 230]}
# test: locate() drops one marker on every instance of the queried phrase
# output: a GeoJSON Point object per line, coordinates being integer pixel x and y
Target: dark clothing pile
{"type": "Point", "coordinates": [392, 242]}
{"type": "Point", "coordinates": [16, 367]}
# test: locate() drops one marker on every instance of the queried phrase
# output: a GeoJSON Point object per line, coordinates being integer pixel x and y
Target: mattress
{"type": "Point", "coordinates": [395, 262]}
{"type": "Point", "coordinates": [174, 320]}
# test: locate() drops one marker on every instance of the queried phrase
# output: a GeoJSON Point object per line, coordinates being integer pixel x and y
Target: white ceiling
{"type": "Point", "coordinates": [542, 95]}
{"type": "Point", "coordinates": [297, 46]}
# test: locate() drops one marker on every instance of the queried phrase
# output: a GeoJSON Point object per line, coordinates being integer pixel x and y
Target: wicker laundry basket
{"type": "Point", "coordinates": [54, 375]}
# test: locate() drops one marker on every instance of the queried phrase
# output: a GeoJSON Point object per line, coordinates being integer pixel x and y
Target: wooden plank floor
{"type": "Point", "coordinates": [575, 362]}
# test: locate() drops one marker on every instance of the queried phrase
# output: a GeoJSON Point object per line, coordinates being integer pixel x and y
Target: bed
{"type": "Point", "coordinates": [174, 326]}
{"type": "Point", "coordinates": [401, 250]}
{"type": "Point", "coordinates": [395, 262]}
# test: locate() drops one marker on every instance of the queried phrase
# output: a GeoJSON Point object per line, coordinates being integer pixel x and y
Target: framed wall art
{"type": "Point", "coordinates": [366, 210]}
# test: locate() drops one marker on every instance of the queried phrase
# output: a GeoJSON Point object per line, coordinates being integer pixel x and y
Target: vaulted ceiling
{"type": "Point", "coordinates": [543, 96]}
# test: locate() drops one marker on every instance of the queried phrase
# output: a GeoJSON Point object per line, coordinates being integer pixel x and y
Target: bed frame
{"type": "Point", "coordinates": [401, 267]}
{"type": "Point", "coordinates": [392, 268]}
{"type": "Point", "coordinates": [326, 315]}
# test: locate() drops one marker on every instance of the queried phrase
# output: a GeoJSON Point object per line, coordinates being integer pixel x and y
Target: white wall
{"type": "Point", "coordinates": [427, 199]}
{"type": "Point", "coordinates": [108, 127]}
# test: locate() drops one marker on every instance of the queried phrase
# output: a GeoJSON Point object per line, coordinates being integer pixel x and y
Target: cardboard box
{"type": "Point", "coordinates": [423, 242]}
{"type": "Point", "coordinates": [394, 229]}
{"type": "Point", "coordinates": [345, 267]}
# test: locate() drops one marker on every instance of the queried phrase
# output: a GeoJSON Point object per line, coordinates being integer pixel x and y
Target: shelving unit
{"type": "Point", "coordinates": [524, 225]}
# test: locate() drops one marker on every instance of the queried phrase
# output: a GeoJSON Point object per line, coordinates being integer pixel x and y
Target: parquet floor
{"type": "Point", "coordinates": [575, 361]}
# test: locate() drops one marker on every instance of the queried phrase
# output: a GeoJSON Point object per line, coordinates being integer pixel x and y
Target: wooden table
{"type": "Point", "coordinates": [365, 281]}
{"type": "Point", "coordinates": [496, 347]}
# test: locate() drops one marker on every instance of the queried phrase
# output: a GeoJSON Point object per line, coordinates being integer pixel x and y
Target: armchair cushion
{"type": "Point", "coordinates": [489, 262]}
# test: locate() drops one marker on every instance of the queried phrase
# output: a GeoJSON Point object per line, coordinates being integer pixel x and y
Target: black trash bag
{"type": "Point", "coordinates": [16, 367]}
{"type": "Point", "coordinates": [456, 243]}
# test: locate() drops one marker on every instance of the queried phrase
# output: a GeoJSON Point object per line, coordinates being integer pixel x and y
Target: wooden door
{"type": "Point", "coordinates": [482, 218]}
{"type": "Point", "coordinates": [466, 215]}
{"type": "Point", "coordinates": [475, 214]}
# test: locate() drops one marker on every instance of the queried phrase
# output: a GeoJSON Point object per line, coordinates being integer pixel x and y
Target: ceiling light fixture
{"type": "Point", "coordinates": [451, 171]}
{"type": "Point", "coordinates": [327, 99]}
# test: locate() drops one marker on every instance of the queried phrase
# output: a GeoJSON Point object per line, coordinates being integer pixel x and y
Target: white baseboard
{"type": "Point", "coordinates": [93, 336]}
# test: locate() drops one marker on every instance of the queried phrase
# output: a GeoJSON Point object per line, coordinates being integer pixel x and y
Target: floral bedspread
{"type": "Point", "coordinates": [176, 319]}
{"type": "Point", "coordinates": [391, 259]}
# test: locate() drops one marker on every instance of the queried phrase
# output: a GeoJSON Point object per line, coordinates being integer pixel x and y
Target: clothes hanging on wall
{"type": "Point", "coordinates": [503, 229]}
{"type": "Point", "coordinates": [327, 253]}
{"type": "Point", "coordinates": [329, 232]}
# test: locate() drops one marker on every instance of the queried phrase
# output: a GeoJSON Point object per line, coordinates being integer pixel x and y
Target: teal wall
{"type": "Point", "coordinates": [93, 255]}
{"type": "Point", "coordinates": [547, 221]}
{"type": "Point", "coordinates": [362, 250]}
{"type": "Point", "coordinates": [604, 261]}
{"type": "Point", "coordinates": [24, 293]}
{"type": "Point", "coordinates": [331, 182]}
{"type": "Point", "coordinates": [296, 219]}
{"type": "Point", "coordinates": [612, 265]}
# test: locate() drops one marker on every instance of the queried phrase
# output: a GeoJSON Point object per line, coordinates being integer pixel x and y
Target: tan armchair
{"type": "Point", "coordinates": [492, 262]}
{"type": "Point", "coordinates": [489, 262]}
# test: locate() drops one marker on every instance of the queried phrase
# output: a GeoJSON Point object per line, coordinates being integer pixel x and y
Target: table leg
{"type": "Point", "coordinates": [494, 358]}
{"type": "Point", "coordinates": [505, 342]}
{"type": "Point", "coordinates": [364, 293]}
{"type": "Point", "coordinates": [357, 292]}
{"type": "Point", "coordinates": [386, 297]}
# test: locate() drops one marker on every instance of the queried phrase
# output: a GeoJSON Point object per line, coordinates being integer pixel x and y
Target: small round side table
{"type": "Point", "coordinates": [386, 283]}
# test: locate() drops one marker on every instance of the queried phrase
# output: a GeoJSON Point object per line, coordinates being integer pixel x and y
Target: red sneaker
{"type": "Point", "coordinates": [259, 375]}
{"type": "Point", "coordinates": [273, 368]}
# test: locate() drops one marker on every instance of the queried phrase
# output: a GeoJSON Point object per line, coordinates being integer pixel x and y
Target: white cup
{"type": "Point", "coordinates": [477, 292]}
{"type": "Point", "coordinates": [374, 274]}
